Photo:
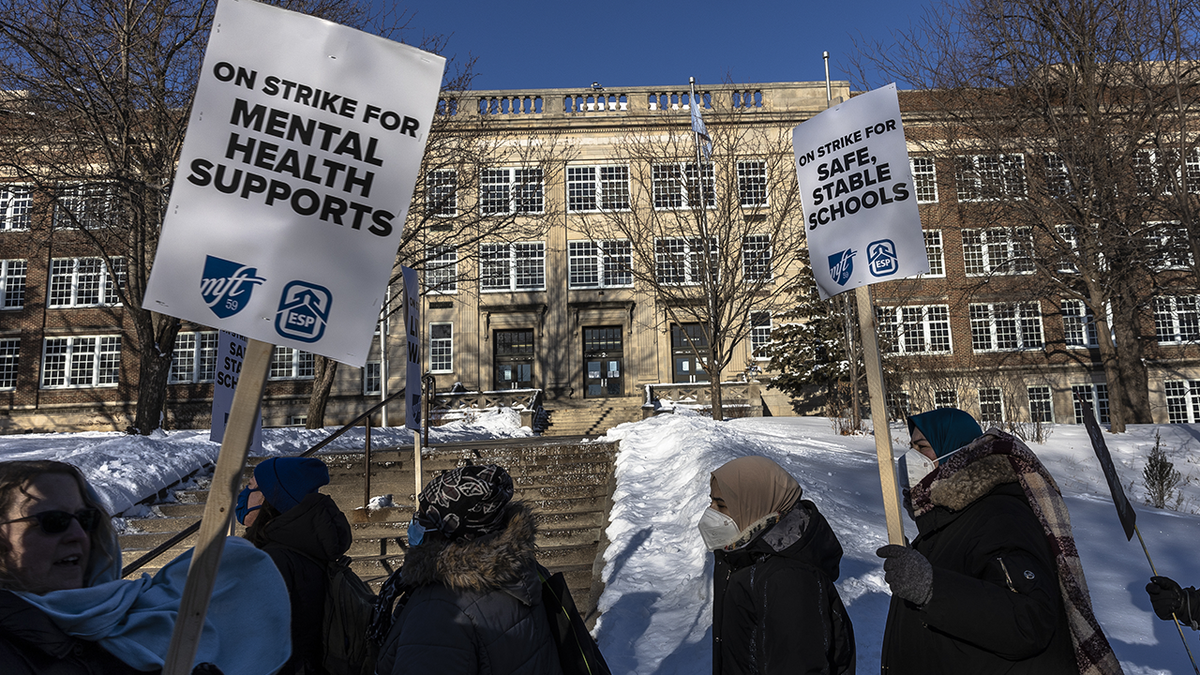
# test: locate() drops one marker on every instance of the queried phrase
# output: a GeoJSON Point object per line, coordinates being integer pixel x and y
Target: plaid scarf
{"type": "Point", "coordinates": [1092, 651]}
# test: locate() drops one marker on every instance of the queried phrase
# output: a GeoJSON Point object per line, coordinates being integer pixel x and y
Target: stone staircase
{"type": "Point", "coordinates": [591, 417]}
{"type": "Point", "coordinates": [568, 483]}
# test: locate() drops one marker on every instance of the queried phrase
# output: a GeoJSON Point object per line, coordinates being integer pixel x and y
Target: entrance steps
{"type": "Point", "coordinates": [591, 417]}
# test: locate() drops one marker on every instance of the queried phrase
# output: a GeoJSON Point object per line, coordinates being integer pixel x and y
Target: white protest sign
{"type": "Point", "coordinates": [301, 154]}
{"type": "Point", "coordinates": [856, 186]}
{"type": "Point", "coordinates": [231, 352]}
{"type": "Point", "coordinates": [412, 329]}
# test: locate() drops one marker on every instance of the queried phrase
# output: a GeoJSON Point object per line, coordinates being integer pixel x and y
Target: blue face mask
{"type": "Point", "coordinates": [416, 533]}
{"type": "Point", "coordinates": [243, 508]}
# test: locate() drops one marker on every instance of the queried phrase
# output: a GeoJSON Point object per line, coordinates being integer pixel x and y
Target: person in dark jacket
{"type": "Point", "coordinates": [64, 609]}
{"type": "Point", "coordinates": [303, 531]}
{"type": "Point", "coordinates": [983, 589]}
{"type": "Point", "coordinates": [1170, 601]}
{"type": "Point", "coordinates": [775, 607]}
{"type": "Point", "coordinates": [474, 600]}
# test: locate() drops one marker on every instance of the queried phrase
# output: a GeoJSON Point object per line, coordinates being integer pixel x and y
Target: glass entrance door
{"type": "Point", "coordinates": [513, 359]}
{"type": "Point", "coordinates": [687, 368]}
{"type": "Point", "coordinates": [603, 362]}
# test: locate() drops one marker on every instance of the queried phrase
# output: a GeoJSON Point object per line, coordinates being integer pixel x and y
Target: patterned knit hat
{"type": "Point", "coordinates": [466, 502]}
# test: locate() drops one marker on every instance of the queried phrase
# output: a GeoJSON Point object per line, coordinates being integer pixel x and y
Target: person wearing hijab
{"type": "Point", "coordinates": [993, 582]}
{"type": "Point", "coordinates": [775, 607]}
{"type": "Point", "coordinates": [474, 599]}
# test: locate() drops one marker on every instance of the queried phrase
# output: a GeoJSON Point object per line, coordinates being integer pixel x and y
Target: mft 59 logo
{"type": "Point", "coordinates": [303, 311]}
{"type": "Point", "coordinates": [226, 286]}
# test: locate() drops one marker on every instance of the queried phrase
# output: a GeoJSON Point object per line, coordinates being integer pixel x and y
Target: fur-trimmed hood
{"type": "Point", "coordinates": [500, 560]}
{"type": "Point", "coordinates": [958, 491]}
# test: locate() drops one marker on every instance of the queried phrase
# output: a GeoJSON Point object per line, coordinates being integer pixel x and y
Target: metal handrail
{"type": "Point", "coordinates": [191, 529]}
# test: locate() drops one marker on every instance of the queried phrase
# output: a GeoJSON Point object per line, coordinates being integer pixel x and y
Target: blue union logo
{"type": "Point", "coordinates": [882, 259]}
{"type": "Point", "coordinates": [841, 266]}
{"type": "Point", "coordinates": [226, 285]}
{"type": "Point", "coordinates": [303, 311]}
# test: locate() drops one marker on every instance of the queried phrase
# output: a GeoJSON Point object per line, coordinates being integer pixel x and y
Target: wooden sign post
{"type": "Point", "coordinates": [210, 542]}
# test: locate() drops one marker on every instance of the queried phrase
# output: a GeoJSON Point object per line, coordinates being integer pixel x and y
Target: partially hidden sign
{"type": "Point", "coordinates": [302, 150]}
{"type": "Point", "coordinates": [1125, 510]}
{"type": "Point", "coordinates": [860, 208]}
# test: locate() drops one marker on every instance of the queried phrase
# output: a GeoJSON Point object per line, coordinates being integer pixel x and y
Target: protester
{"type": "Point", "coordinates": [993, 583]}
{"type": "Point", "coordinates": [775, 608]}
{"type": "Point", "coordinates": [473, 597]}
{"type": "Point", "coordinates": [64, 609]}
{"type": "Point", "coordinates": [1172, 602]}
{"type": "Point", "coordinates": [302, 530]}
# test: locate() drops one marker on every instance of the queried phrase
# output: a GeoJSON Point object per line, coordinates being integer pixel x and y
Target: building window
{"type": "Point", "coordinates": [289, 363]}
{"type": "Point", "coordinates": [512, 267]}
{"type": "Point", "coordinates": [600, 264]}
{"type": "Point", "coordinates": [194, 358]}
{"type": "Point", "coordinates": [1176, 318]}
{"type": "Point", "coordinates": [300, 420]}
{"type": "Point", "coordinates": [680, 260]}
{"type": "Point", "coordinates": [924, 176]}
{"type": "Point", "coordinates": [509, 191]}
{"type": "Point", "coordinates": [597, 188]}
{"type": "Point", "coordinates": [935, 253]}
{"type": "Point", "coordinates": [1041, 405]}
{"type": "Point", "coordinates": [12, 284]}
{"type": "Point", "coordinates": [372, 378]}
{"type": "Point", "coordinates": [10, 351]}
{"type": "Point", "coordinates": [760, 334]}
{"type": "Point", "coordinates": [914, 329]}
{"type": "Point", "coordinates": [945, 398]}
{"type": "Point", "coordinates": [86, 207]}
{"type": "Point", "coordinates": [676, 186]}
{"type": "Point", "coordinates": [441, 193]}
{"type": "Point", "coordinates": [1006, 326]}
{"type": "Point", "coordinates": [1066, 263]}
{"type": "Point", "coordinates": [991, 407]}
{"type": "Point", "coordinates": [1063, 181]}
{"type": "Point", "coordinates": [991, 177]}
{"type": "Point", "coordinates": [899, 404]}
{"type": "Point", "coordinates": [1079, 325]}
{"type": "Point", "coordinates": [756, 258]}
{"type": "Point", "coordinates": [69, 362]}
{"type": "Point", "coordinates": [1183, 401]}
{"type": "Point", "coordinates": [1168, 246]}
{"type": "Point", "coordinates": [441, 347]}
{"type": "Point", "coordinates": [15, 205]}
{"type": "Point", "coordinates": [1094, 394]}
{"type": "Point", "coordinates": [85, 282]}
{"type": "Point", "coordinates": [752, 183]}
{"type": "Point", "coordinates": [441, 269]}
{"type": "Point", "coordinates": [1158, 172]}
{"type": "Point", "coordinates": [998, 250]}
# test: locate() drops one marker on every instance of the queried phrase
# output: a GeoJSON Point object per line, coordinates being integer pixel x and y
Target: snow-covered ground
{"type": "Point", "coordinates": [657, 602]}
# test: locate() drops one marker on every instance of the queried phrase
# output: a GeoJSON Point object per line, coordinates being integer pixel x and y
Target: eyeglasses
{"type": "Point", "coordinates": [57, 522]}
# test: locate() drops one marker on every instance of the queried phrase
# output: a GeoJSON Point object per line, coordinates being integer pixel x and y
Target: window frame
{"type": "Point", "coordinates": [436, 357]}
{"type": "Point", "coordinates": [16, 207]}
{"type": "Point", "coordinates": [753, 184]}
{"type": "Point", "coordinates": [1048, 401]}
{"type": "Point", "coordinates": [680, 253]}
{"type": "Point", "coordinates": [298, 364]}
{"type": "Point", "coordinates": [668, 194]}
{"type": "Point", "coordinates": [202, 359]}
{"type": "Point", "coordinates": [441, 270]}
{"type": "Point", "coordinates": [924, 179]}
{"type": "Point", "coordinates": [1079, 325]}
{"type": "Point", "coordinates": [92, 204]}
{"type": "Point", "coordinates": [893, 323]}
{"type": "Point", "coordinates": [996, 251]}
{"type": "Point", "coordinates": [14, 272]}
{"type": "Point", "coordinates": [984, 418]}
{"type": "Point", "coordinates": [1167, 314]}
{"type": "Point", "coordinates": [607, 194]}
{"type": "Point", "coordinates": [761, 327]}
{"type": "Point", "coordinates": [513, 263]}
{"type": "Point", "coordinates": [1185, 399]}
{"type": "Point", "coordinates": [103, 364]}
{"type": "Point", "coordinates": [991, 322]}
{"type": "Point", "coordinates": [609, 260]}
{"type": "Point", "coordinates": [1003, 179]}
{"type": "Point", "coordinates": [521, 192]}
{"type": "Point", "coordinates": [104, 283]}
{"type": "Point", "coordinates": [758, 268]}
{"type": "Point", "coordinates": [10, 362]}
{"type": "Point", "coordinates": [437, 203]}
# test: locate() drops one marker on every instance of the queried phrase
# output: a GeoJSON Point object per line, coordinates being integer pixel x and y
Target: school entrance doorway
{"type": "Point", "coordinates": [687, 368]}
{"type": "Point", "coordinates": [513, 359]}
{"type": "Point", "coordinates": [603, 362]}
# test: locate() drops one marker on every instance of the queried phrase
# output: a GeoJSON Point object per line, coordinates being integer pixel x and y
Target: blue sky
{"type": "Point", "coordinates": [537, 44]}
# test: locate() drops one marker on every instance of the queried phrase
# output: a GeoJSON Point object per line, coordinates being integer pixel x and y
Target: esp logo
{"type": "Point", "coordinates": [303, 311]}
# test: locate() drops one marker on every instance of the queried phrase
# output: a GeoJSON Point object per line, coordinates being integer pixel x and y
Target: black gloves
{"type": "Point", "coordinates": [908, 573]}
{"type": "Point", "coordinates": [1167, 598]}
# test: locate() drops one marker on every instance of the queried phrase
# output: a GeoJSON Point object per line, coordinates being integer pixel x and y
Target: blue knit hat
{"type": "Point", "coordinates": [284, 481]}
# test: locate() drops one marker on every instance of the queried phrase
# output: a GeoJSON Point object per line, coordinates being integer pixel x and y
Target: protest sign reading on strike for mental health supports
{"type": "Point", "coordinates": [302, 150]}
{"type": "Point", "coordinates": [856, 186]}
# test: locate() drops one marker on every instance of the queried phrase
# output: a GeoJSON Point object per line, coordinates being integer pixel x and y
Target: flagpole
{"type": "Point", "coordinates": [707, 261]}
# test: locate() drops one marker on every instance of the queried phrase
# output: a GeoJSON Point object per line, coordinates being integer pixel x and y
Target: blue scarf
{"type": "Point", "coordinates": [946, 429]}
{"type": "Point", "coordinates": [246, 630]}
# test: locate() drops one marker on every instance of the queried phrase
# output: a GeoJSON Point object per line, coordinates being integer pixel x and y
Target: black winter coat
{"type": "Point", "coordinates": [302, 541]}
{"type": "Point", "coordinates": [996, 604]}
{"type": "Point", "coordinates": [31, 644]}
{"type": "Point", "coordinates": [476, 607]}
{"type": "Point", "coordinates": [775, 608]}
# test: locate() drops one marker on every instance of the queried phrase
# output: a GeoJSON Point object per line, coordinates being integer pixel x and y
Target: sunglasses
{"type": "Point", "coordinates": [57, 522]}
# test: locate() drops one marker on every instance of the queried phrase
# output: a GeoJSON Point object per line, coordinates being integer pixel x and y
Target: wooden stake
{"type": "Point", "coordinates": [883, 436]}
{"type": "Point", "coordinates": [210, 542]}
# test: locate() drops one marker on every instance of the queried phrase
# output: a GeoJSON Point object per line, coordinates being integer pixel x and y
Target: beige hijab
{"type": "Point", "coordinates": [754, 487]}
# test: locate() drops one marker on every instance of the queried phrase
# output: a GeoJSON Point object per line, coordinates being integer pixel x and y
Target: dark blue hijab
{"type": "Point", "coordinates": [946, 429]}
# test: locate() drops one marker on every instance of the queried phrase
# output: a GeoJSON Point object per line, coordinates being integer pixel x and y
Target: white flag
{"type": "Point", "coordinates": [699, 128]}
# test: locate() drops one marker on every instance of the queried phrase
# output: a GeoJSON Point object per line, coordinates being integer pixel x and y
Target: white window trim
{"type": "Point", "coordinates": [432, 360]}
{"type": "Point", "coordinates": [295, 364]}
{"type": "Point", "coordinates": [105, 283]}
{"type": "Point", "coordinates": [1009, 240]}
{"type": "Point", "coordinates": [514, 262]}
{"type": "Point", "coordinates": [706, 178]}
{"type": "Point", "coordinates": [690, 255]}
{"type": "Point", "coordinates": [16, 207]}
{"type": "Point", "coordinates": [103, 347]}
{"type": "Point", "coordinates": [1014, 184]}
{"type": "Point", "coordinates": [199, 374]}
{"type": "Point", "coordinates": [743, 179]}
{"type": "Point", "coordinates": [71, 199]}
{"type": "Point", "coordinates": [516, 205]}
{"type": "Point", "coordinates": [757, 344]}
{"type": "Point", "coordinates": [442, 265]}
{"type": "Point", "coordinates": [1172, 313]}
{"type": "Point", "coordinates": [1018, 318]}
{"type": "Point", "coordinates": [433, 188]}
{"type": "Point", "coordinates": [930, 175]}
{"type": "Point", "coordinates": [7, 277]}
{"type": "Point", "coordinates": [1049, 401]}
{"type": "Point", "coordinates": [600, 256]}
{"type": "Point", "coordinates": [10, 352]}
{"type": "Point", "coordinates": [598, 182]}
{"type": "Point", "coordinates": [894, 314]}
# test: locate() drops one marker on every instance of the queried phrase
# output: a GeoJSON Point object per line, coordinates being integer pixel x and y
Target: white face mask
{"type": "Point", "coordinates": [717, 529]}
{"type": "Point", "coordinates": [914, 466]}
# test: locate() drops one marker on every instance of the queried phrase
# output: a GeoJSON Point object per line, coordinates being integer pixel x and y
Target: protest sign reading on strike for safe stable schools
{"type": "Point", "coordinates": [860, 209]}
{"type": "Point", "coordinates": [231, 351]}
{"type": "Point", "coordinates": [300, 158]}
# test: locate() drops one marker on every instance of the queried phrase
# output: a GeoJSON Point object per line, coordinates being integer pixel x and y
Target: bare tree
{"type": "Point", "coordinates": [714, 238]}
{"type": "Point", "coordinates": [1076, 112]}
